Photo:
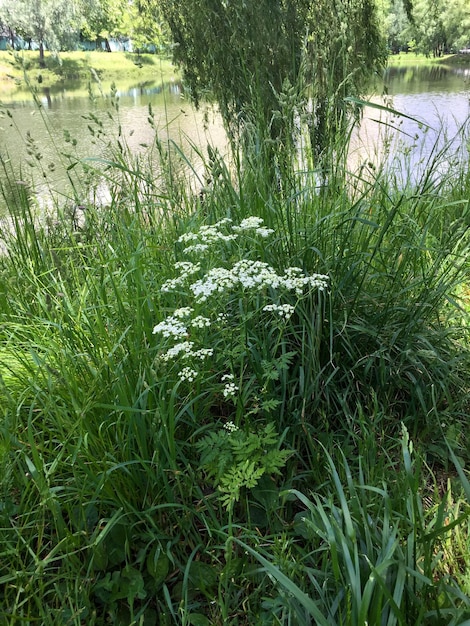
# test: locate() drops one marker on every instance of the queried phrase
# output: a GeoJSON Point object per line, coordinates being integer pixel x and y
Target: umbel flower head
{"type": "Point", "coordinates": [188, 328]}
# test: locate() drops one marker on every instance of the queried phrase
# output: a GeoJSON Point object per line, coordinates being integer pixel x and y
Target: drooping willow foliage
{"type": "Point", "coordinates": [269, 57]}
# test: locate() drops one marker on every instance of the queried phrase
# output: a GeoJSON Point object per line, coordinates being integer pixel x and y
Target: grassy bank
{"type": "Point", "coordinates": [235, 402]}
{"type": "Point", "coordinates": [80, 66]}
{"type": "Point", "coordinates": [411, 59]}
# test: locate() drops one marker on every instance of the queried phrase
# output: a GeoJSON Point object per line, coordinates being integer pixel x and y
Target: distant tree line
{"type": "Point", "coordinates": [431, 27]}
{"type": "Point", "coordinates": [62, 24]}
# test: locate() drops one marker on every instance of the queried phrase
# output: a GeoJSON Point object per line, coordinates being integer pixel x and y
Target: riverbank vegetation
{"type": "Point", "coordinates": [74, 70]}
{"type": "Point", "coordinates": [411, 59]}
{"type": "Point", "coordinates": [235, 390]}
{"type": "Point", "coordinates": [81, 67]}
{"type": "Point", "coordinates": [242, 405]}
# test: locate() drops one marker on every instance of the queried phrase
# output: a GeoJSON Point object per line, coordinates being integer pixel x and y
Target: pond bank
{"type": "Point", "coordinates": [409, 59]}
{"type": "Point", "coordinates": [80, 66]}
{"type": "Point", "coordinates": [128, 67]}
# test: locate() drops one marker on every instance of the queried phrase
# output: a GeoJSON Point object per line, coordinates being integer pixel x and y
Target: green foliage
{"type": "Point", "coordinates": [44, 21]}
{"type": "Point", "coordinates": [245, 56]}
{"type": "Point", "coordinates": [432, 27]}
{"type": "Point", "coordinates": [139, 20]}
{"type": "Point", "coordinates": [365, 558]}
{"type": "Point", "coordinates": [235, 459]}
{"type": "Point", "coordinates": [59, 24]}
{"type": "Point", "coordinates": [111, 442]}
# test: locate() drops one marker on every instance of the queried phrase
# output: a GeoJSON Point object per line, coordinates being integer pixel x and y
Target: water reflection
{"type": "Point", "coordinates": [42, 144]}
{"type": "Point", "coordinates": [430, 126]}
{"type": "Point", "coordinates": [435, 98]}
{"type": "Point", "coordinates": [429, 79]}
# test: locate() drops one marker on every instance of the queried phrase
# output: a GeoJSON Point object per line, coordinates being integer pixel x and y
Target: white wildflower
{"type": "Point", "coordinates": [283, 310]}
{"type": "Point", "coordinates": [248, 223]}
{"type": "Point", "coordinates": [187, 374]}
{"type": "Point", "coordinates": [197, 247]}
{"type": "Point", "coordinates": [255, 274]}
{"type": "Point", "coordinates": [186, 269]}
{"type": "Point", "coordinates": [200, 322]}
{"type": "Point", "coordinates": [295, 280]}
{"type": "Point", "coordinates": [264, 232]}
{"type": "Point", "coordinates": [171, 327]}
{"type": "Point", "coordinates": [183, 312]}
{"type": "Point", "coordinates": [206, 236]}
{"type": "Point", "coordinates": [202, 353]}
{"type": "Point", "coordinates": [210, 234]}
{"type": "Point", "coordinates": [186, 237]}
{"type": "Point", "coordinates": [183, 349]}
{"type": "Point", "coordinates": [224, 220]}
{"type": "Point", "coordinates": [230, 389]}
{"type": "Point", "coordinates": [217, 279]}
{"type": "Point", "coordinates": [318, 281]}
{"type": "Point", "coordinates": [230, 426]}
{"type": "Point", "coordinates": [255, 224]}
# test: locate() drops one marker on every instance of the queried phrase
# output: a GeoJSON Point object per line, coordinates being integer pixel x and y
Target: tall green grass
{"type": "Point", "coordinates": [131, 494]}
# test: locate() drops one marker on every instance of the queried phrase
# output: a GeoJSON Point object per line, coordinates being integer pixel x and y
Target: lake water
{"type": "Point", "coordinates": [431, 124]}
{"type": "Point", "coordinates": [434, 103]}
{"type": "Point", "coordinates": [84, 126]}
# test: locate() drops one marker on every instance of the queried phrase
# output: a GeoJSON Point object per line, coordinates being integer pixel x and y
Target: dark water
{"type": "Point", "coordinates": [436, 99]}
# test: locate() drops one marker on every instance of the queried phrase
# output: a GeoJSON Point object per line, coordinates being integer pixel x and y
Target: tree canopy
{"type": "Point", "coordinates": [431, 27]}
{"type": "Point", "coordinates": [59, 23]}
{"type": "Point", "coordinates": [51, 21]}
{"type": "Point", "coordinates": [248, 55]}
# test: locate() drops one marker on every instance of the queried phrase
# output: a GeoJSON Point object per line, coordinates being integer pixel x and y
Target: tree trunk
{"type": "Point", "coordinates": [42, 62]}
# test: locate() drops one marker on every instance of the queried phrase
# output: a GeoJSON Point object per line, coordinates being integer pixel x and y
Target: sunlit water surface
{"type": "Point", "coordinates": [432, 105]}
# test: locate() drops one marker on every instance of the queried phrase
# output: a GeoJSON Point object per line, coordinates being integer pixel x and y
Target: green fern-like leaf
{"type": "Point", "coordinates": [238, 459]}
{"type": "Point", "coordinates": [285, 360]}
{"type": "Point", "coordinates": [274, 460]}
{"type": "Point", "coordinates": [270, 436]}
{"type": "Point", "coordinates": [216, 453]}
{"type": "Point", "coordinates": [239, 476]}
{"type": "Point", "coordinates": [270, 405]}
{"type": "Point", "coordinates": [245, 445]}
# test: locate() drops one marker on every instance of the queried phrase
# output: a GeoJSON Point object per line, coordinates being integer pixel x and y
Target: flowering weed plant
{"type": "Point", "coordinates": [225, 345]}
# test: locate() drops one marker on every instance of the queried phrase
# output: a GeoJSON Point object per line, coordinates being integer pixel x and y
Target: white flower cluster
{"type": "Point", "coordinates": [206, 236]}
{"type": "Point", "coordinates": [243, 275]}
{"type": "Point", "coordinates": [184, 350]}
{"type": "Point", "coordinates": [230, 427]}
{"type": "Point", "coordinates": [200, 322]}
{"type": "Point", "coordinates": [295, 280]}
{"type": "Point", "coordinates": [202, 353]}
{"type": "Point", "coordinates": [186, 269]}
{"type": "Point", "coordinates": [283, 310]}
{"type": "Point", "coordinates": [255, 224]}
{"type": "Point", "coordinates": [187, 374]}
{"type": "Point", "coordinates": [254, 275]}
{"type": "Point", "coordinates": [171, 327]}
{"type": "Point", "coordinates": [230, 388]}
{"type": "Point", "coordinates": [183, 312]}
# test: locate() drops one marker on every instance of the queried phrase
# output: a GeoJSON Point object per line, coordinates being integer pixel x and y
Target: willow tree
{"type": "Point", "coordinates": [45, 22]}
{"type": "Point", "coordinates": [280, 60]}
